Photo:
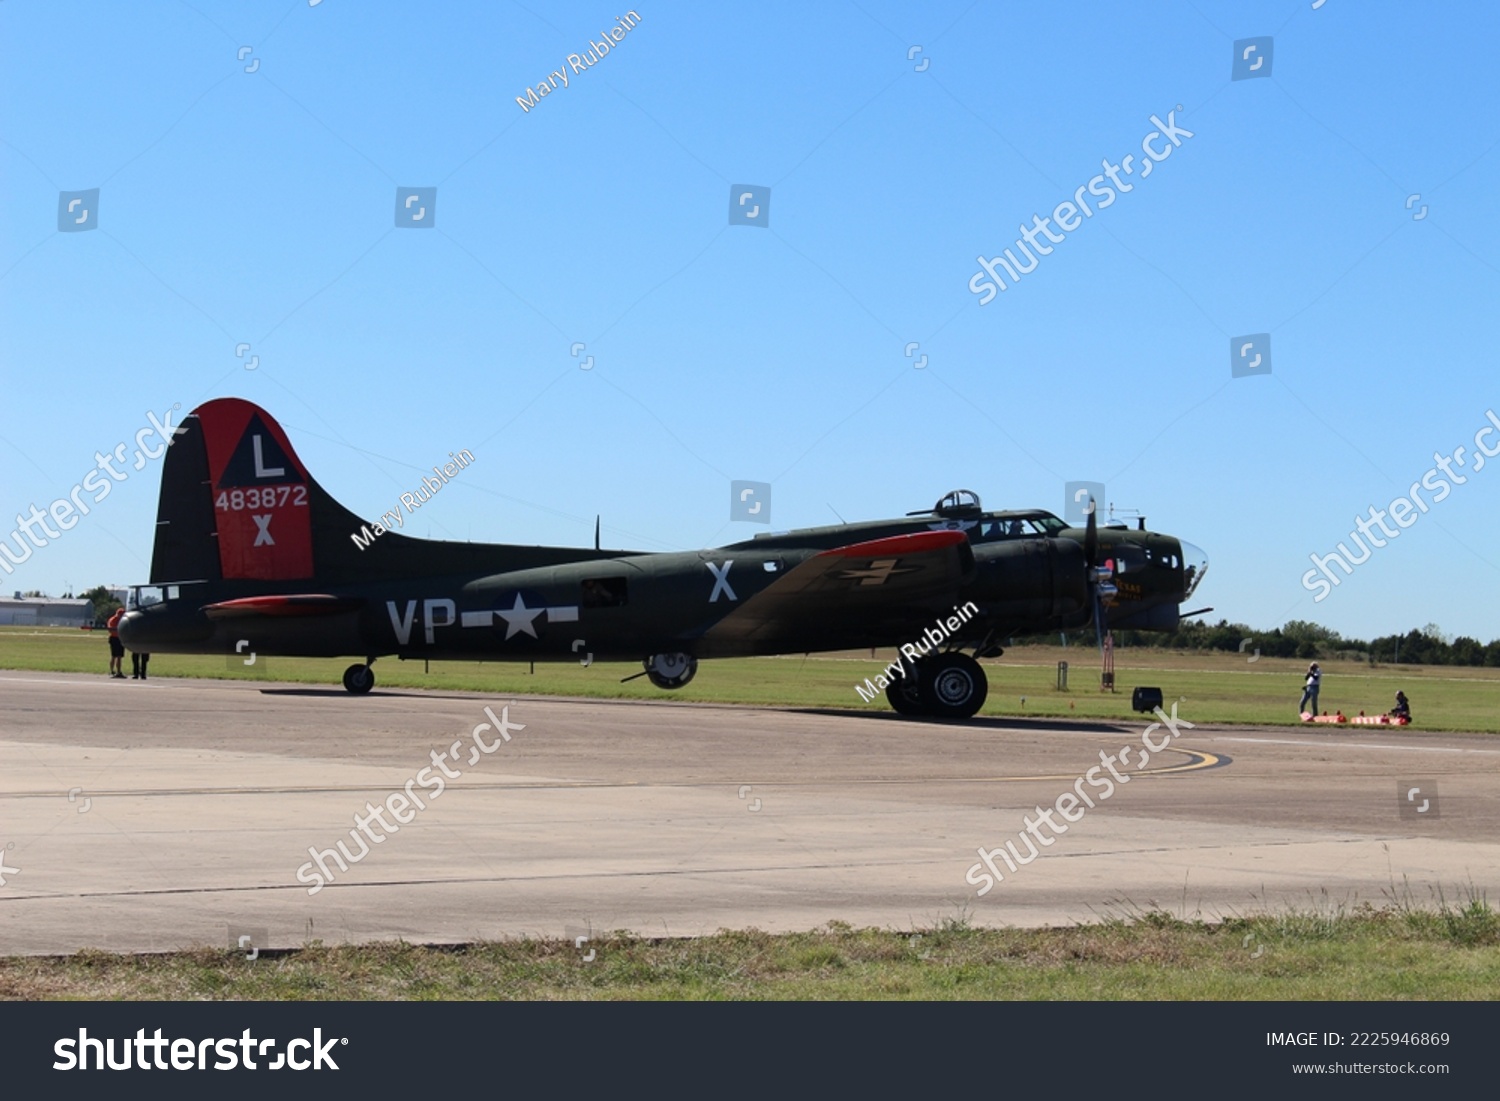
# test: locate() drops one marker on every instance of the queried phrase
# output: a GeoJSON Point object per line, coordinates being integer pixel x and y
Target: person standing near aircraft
{"type": "Point", "coordinates": [116, 647]}
{"type": "Point", "coordinates": [138, 662]}
{"type": "Point", "coordinates": [1310, 690]}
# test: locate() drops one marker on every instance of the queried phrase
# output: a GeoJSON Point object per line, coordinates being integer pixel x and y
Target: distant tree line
{"type": "Point", "coordinates": [1299, 639]}
{"type": "Point", "coordinates": [105, 605]}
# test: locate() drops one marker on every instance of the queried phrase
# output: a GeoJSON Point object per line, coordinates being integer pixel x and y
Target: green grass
{"type": "Point", "coordinates": [1214, 687]}
{"type": "Point", "coordinates": [1399, 952]}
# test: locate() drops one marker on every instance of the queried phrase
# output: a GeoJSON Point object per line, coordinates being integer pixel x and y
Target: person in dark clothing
{"type": "Point", "coordinates": [1402, 710]}
{"type": "Point", "coordinates": [1310, 690]}
{"type": "Point", "coordinates": [138, 663]}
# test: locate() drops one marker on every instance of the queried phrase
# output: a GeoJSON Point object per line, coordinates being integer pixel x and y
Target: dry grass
{"type": "Point", "coordinates": [1399, 951]}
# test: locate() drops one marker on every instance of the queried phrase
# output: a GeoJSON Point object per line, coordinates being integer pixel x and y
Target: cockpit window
{"type": "Point", "coordinates": [1005, 529]}
{"type": "Point", "coordinates": [1017, 527]}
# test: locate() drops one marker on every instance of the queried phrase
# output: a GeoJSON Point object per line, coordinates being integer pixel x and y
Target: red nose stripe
{"type": "Point", "coordinates": [917, 543]}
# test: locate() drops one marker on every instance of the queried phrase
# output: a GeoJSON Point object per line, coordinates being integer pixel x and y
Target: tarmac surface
{"type": "Point", "coordinates": [166, 814]}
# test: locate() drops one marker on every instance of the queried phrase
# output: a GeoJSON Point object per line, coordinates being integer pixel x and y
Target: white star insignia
{"type": "Point", "coordinates": [519, 618]}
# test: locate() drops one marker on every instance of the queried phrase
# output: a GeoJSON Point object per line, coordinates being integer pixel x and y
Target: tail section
{"type": "Point", "coordinates": [237, 505]}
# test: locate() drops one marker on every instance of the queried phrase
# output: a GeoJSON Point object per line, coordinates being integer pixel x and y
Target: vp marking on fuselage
{"type": "Point", "coordinates": [442, 612]}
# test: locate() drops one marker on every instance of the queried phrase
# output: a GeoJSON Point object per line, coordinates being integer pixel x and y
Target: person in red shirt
{"type": "Point", "coordinates": [116, 647]}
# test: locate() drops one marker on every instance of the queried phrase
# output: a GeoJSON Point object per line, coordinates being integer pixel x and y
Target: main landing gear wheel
{"type": "Point", "coordinates": [670, 670]}
{"type": "Point", "coordinates": [952, 686]}
{"type": "Point", "coordinates": [359, 679]}
{"type": "Point", "coordinates": [904, 695]}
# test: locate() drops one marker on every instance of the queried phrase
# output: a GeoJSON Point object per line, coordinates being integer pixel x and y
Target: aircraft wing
{"type": "Point", "coordinates": [863, 582]}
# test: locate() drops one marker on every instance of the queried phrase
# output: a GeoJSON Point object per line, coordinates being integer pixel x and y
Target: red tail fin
{"type": "Point", "coordinates": [262, 503]}
{"type": "Point", "coordinates": [236, 502]}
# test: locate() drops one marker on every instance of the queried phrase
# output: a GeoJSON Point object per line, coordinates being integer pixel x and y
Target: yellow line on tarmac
{"type": "Point", "coordinates": [1197, 761]}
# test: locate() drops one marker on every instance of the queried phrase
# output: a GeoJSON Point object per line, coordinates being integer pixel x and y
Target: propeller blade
{"type": "Point", "coordinates": [1091, 538]}
{"type": "Point", "coordinates": [1091, 561]}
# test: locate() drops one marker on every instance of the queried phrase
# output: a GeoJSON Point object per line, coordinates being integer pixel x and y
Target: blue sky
{"type": "Point", "coordinates": [259, 208]}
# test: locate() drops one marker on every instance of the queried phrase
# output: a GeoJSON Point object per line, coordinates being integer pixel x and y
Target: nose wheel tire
{"type": "Point", "coordinates": [359, 679]}
{"type": "Point", "coordinates": [951, 686]}
{"type": "Point", "coordinates": [670, 671]}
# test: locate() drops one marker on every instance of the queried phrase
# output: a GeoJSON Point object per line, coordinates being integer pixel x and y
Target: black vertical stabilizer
{"type": "Point", "coordinates": [187, 546]}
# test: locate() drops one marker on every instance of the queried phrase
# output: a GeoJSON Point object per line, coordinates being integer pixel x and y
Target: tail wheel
{"type": "Point", "coordinates": [952, 686]}
{"type": "Point", "coordinates": [671, 671]}
{"type": "Point", "coordinates": [359, 679]}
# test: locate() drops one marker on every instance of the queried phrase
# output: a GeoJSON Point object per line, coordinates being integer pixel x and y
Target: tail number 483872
{"type": "Point", "coordinates": [234, 500]}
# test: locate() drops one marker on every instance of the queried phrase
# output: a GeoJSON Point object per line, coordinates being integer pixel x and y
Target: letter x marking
{"type": "Point", "coordinates": [263, 532]}
{"type": "Point", "coordinates": [721, 581]}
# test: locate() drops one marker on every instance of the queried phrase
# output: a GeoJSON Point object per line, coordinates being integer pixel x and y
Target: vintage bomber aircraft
{"type": "Point", "coordinates": [252, 555]}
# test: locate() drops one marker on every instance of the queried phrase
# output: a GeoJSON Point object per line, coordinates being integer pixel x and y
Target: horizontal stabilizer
{"type": "Point", "coordinates": [298, 604]}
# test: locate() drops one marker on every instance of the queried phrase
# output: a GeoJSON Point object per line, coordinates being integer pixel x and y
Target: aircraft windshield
{"type": "Point", "coordinates": [1017, 527]}
{"type": "Point", "coordinates": [144, 596]}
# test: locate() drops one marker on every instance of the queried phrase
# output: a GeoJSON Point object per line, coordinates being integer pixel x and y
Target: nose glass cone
{"type": "Point", "coordinates": [1194, 566]}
